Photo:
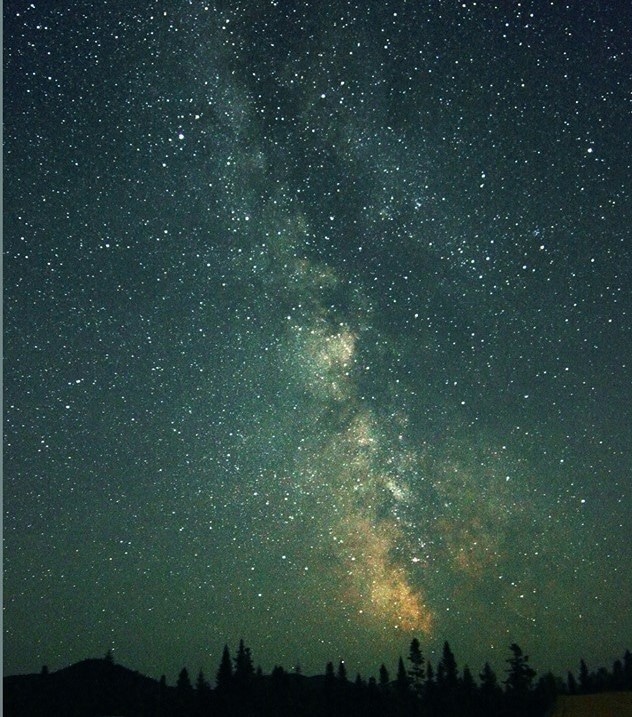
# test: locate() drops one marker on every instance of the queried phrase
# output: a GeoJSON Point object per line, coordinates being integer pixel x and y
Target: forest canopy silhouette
{"type": "Point", "coordinates": [415, 686]}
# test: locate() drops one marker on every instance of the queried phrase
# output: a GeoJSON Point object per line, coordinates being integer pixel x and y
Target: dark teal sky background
{"type": "Point", "coordinates": [317, 332]}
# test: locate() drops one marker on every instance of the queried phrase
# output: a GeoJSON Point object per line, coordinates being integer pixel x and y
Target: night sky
{"type": "Point", "coordinates": [317, 328]}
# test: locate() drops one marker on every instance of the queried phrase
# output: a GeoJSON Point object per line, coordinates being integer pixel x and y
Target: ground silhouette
{"type": "Point", "coordinates": [100, 688]}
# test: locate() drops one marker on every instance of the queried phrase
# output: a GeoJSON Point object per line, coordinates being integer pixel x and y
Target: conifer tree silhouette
{"type": "Point", "coordinates": [446, 692]}
{"type": "Point", "coordinates": [224, 678]}
{"type": "Point", "coordinates": [384, 678]}
{"type": "Point", "coordinates": [584, 677]}
{"type": "Point", "coordinates": [448, 669]}
{"type": "Point", "coordinates": [520, 675]}
{"type": "Point", "coordinates": [184, 693]}
{"type": "Point", "coordinates": [489, 681]}
{"type": "Point", "coordinates": [201, 684]}
{"type": "Point", "coordinates": [519, 698]}
{"type": "Point", "coordinates": [416, 671]}
{"type": "Point", "coordinates": [467, 681]}
{"type": "Point", "coordinates": [489, 691]}
{"type": "Point", "coordinates": [618, 677]}
{"type": "Point", "coordinates": [244, 668]}
{"type": "Point", "coordinates": [329, 672]}
{"type": "Point", "coordinates": [342, 672]}
{"type": "Point", "coordinates": [184, 682]}
{"type": "Point", "coordinates": [430, 678]}
{"type": "Point", "coordinates": [402, 682]}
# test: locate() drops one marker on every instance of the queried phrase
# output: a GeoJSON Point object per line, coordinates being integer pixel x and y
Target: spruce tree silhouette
{"type": "Point", "coordinates": [342, 672]}
{"type": "Point", "coordinates": [489, 691]}
{"type": "Point", "coordinates": [203, 694]}
{"type": "Point", "coordinates": [489, 681]}
{"type": "Point", "coordinates": [330, 676]}
{"type": "Point", "coordinates": [329, 691]}
{"type": "Point", "coordinates": [416, 671]}
{"type": "Point", "coordinates": [201, 683]}
{"type": "Point", "coordinates": [584, 678]}
{"type": "Point", "coordinates": [384, 678]}
{"type": "Point", "coordinates": [430, 686]}
{"type": "Point", "coordinates": [184, 681]}
{"type": "Point", "coordinates": [402, 682]}
{"type": "Point", "coordinates": [447, 696]}
{"type": "Point", "coordinates": [518, 683]}
{"type": "Point", "coordinates": [448, 669]}
{"type": "Point", "coordinates": [244, 668]}
{"type": "Point", "coordinates": [224, 677]}
{"type": "Point", "coordinates": [202, 686]}
{"type": "Point", "coordinates": [519, 675]}
{"type": "Point", "coordinates": [467, 687]}
{"type": "Point", "coordinates": [618, 676]}
{"type": "Point", "coordinates": [184, 694]}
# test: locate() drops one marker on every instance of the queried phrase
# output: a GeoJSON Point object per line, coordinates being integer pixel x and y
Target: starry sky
{"type": "Point", "coordinates": [317, 332]}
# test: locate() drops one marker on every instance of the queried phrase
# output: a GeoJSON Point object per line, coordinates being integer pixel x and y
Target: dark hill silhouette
{"type": "Point", "coordinates": [88, 688]}
{"type": "Point", "coordinates": [100, 688]}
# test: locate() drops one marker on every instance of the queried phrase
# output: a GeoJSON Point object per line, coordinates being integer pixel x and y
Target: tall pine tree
{"type": "Point", "coordinates": [520, 674]}
{"type": "Point", "coordinates": [384, 678]}
{"type": "Point", "coordinates": [402, 682]}
{"type": "Point", "coordinates": [584, 677]}
{"type": "Point", "coordinates": [224, 678]}
{"type": "Point", "coordinates": [416, 671]}
{"type": "Point", "coordinates": [244, 668]}
{"type": "Point", "coordinates": [448, 669]}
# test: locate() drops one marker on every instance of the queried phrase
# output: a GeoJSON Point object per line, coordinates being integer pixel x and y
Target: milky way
{"type": "Point", "coordinates": [317, 333]}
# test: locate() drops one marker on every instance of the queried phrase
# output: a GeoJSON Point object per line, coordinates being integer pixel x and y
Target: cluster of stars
{"type": "Point", "coordinates": [317, 330]}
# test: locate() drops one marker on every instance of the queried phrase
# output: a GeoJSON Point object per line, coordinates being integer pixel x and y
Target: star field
{"type": "Point", "coordinates": [317, 332]}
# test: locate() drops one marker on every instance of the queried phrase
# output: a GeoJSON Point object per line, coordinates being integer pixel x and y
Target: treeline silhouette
{"type": "Point", "coordinates": [98, 687]}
